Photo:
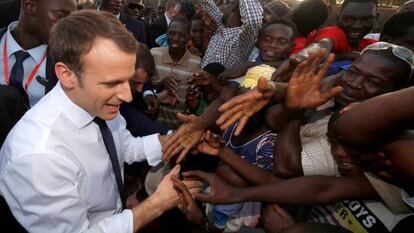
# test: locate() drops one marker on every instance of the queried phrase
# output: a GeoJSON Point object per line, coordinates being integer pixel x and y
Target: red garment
{"type": "Point", "coordinates": [300, 43]}
{"type": "Point", "coordinates": [334, 33]}
{"type": "Point", "coordinates": [340, 40]}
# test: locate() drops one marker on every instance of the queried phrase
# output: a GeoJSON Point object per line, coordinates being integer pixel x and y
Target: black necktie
{"type": "Point", "coordinates": [16, 74]}
{"type": "Point", "coordinates": [110, 147]}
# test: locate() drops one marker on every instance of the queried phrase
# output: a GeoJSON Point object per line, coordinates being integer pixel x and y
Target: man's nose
{"type": "Point", "coordinates": [124, 92]}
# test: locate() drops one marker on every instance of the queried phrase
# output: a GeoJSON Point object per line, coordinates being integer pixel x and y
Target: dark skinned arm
{"type": "Point", "coordinates": [211, 113]}
{"type": "Point", "coordinates": [304, 190]}
{"type": "Point", "coordinates": [388, 116]}
{"type": "Point", "coordinates": [288, 147]}
{"type": "Point", "coordinates": [250, 172]}
{"type": "Point", "coordinates": [239, 108]}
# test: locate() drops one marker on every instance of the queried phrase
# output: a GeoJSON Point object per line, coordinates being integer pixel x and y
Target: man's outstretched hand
{"type": "Point", "coordinates": [220, 191]}
{"type": "Point", "coordinates": [241, 107]}
{"type": "Point", "coordinates": [304, 85]}
{"type": "Point", "coordinates": [185, 138]}
{"type": "Point", "coordinates": [187, 205]}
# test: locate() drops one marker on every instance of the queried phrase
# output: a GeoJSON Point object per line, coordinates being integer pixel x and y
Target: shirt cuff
{"type": "Point", "coordinates": [129, 220]}
{"type": "Point", "coordinates": [148, 92]}
{"type": "Point", "coordinates": [153, 149]}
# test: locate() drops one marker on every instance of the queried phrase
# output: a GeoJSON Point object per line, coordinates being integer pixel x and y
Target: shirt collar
{"type": "Point", "coordinates": [77, 115]}
{"type": "Point", "coordinates": [36, 53]}
{"type": "Point", "coordinates": [166, 58]}
{"type": "Point", "coordinates": [167, 19]}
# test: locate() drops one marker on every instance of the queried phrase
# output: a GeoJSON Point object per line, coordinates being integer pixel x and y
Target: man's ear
{"type": "Point", "coordinates": [29, 7]}
{"type": "Point", "coordinates": [67, 77]}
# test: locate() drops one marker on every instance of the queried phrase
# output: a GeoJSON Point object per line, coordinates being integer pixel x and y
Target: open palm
{"type": "Point", "coordinates": [242, 107]}
{"type": "Point", "coordinates": [304, 85]}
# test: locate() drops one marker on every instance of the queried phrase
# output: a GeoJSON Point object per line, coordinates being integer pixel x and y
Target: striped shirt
{"type": "Point", "coordinates": [183, 71]}
{"type": "Point", "coordinates": [232, 46]}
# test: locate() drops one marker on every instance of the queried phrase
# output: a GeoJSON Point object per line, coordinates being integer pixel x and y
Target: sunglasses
{"type": "Point", "coordinates": [399, 51]}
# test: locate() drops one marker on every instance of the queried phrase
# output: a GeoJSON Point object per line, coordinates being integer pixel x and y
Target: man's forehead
{"type": "Point", "coordinates": [359, 9]}
{"type": "Point", "coordinates": [383, 67]}
{"type": "Point", "coordinates": [279, 28]}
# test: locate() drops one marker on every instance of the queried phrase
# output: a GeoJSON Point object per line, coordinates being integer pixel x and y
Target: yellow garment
{"type": "Point", "coordinates": [254, 73]}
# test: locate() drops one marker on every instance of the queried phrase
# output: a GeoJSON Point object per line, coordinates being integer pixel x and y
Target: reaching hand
{"type": "Point", "coordinates": [193, 95]}
{"type": "Point", "coordinates": [203, 78]}
{"type": "Point", "coordinates": [220, 192]}
{"type": "Point", "coordinates": [241, 107]}
{"type": "Point", "coordinates": [211, 144]}
{"type": "Point", "coordinates": [166, 97]}
{"type": "Point", "coordinates": [166, 192]}
{"type": "Point", "coordinates": [152, 104]}
{"type": "Point", "coordinates": [186, 137]}
{"type": "Point", "coordinates": [187, 204]}
{"type": "Point", "coordinates": [169, 83]}
{"type": "Point", "coordinates": [304, 85]}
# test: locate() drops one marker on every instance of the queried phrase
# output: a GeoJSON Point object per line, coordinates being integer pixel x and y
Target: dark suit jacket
{"type": "Point", "coordinates": [140, 124]}
{"type": "Point", "coordinates": [156, 29]}
{"type": "Point", "coordinates": [136, 27]}
{"type": "Point", "coordinates": [51, 78]}
{"type": "Point", "coordinates": [11, 110]}
{"type": "Point", "coordinates": [10, 10]}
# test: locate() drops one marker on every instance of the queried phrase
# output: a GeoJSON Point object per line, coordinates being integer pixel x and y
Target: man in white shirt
{"type": "Point", "coordinates": [55, 168]}
{"type": "Point", "coordinates": [29, 36]}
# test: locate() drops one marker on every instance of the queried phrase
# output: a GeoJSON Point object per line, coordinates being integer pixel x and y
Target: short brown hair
{"type": "Point", "coordinates": [73, 36]}
{"type": "Point", "coordinates": [145, 60]}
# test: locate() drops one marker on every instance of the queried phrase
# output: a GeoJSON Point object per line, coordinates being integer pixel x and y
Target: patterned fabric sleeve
{"type": "Point", "coordinates": [264, 152]}
{"type": "Point", "coordinates": [212, 10]}
{"type": "Point", "coordinates": [251, 13]}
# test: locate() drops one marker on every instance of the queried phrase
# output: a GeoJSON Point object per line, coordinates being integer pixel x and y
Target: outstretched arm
{"type": "Point", "coordinates": [302, 190]}
{"type": "Point", "coordinates": [288, 147]}
{"type": "Point", "coordinates": [250, 172]}
{"type": "Point", "coordinates": [377, 120]}
{"type": "Point", "coordinates": [242, 107]}
{"type": "Point", "coordinates": [251, 13]}
{"type": "Point", "coordinates": [191, 131]}
{"type": "Point", "coordinates": [305, 84]}
{"type": "Point", "coordinates": [213, 11]}
{"type": "Point", "coordinates": [164, 198]}
{"type": "Point", "coordinates": [213, 145]}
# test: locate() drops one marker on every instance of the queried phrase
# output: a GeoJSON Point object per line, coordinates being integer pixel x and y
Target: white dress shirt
{"type": "Point", "coordinates": [167, 19]}
{"type": "Point", "coordinates": [56, 174]}
{"type": "Point", "coordinates": [35, 90]}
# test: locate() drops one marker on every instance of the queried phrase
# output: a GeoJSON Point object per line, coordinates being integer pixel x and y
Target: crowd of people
{"type": "Point", "coordinates": [206, 116]}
